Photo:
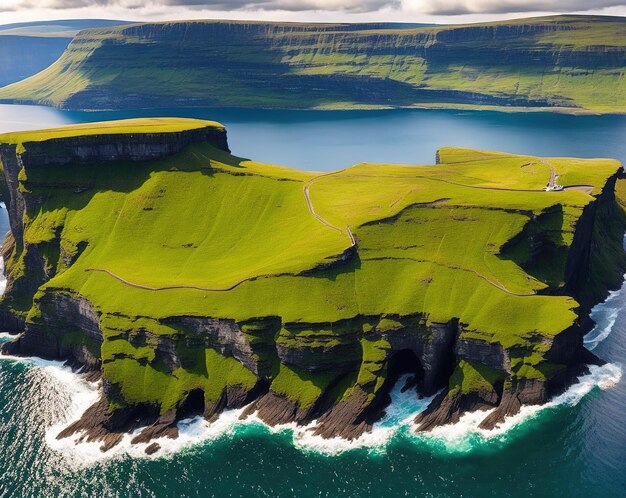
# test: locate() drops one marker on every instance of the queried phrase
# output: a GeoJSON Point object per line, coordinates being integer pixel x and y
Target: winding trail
{"type": "Point", "coordinates": [192, 287]}
{"type": "Point", "coordinates": [497, 285]}
{"type": "Point", "coordinates": [587, 189]}
{"type": "Point", "coordinates": [553, 175]}
{"type": "Point", "coordinates": [348, 232]}
{"type": "Point", "coordinates": [307, 196]}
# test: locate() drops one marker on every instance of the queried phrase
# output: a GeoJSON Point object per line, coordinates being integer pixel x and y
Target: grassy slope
{"type": "Point", "coordinates": [571, 62]}
{"type": "Point", "coordinates": [27, 48]}
{"type": "Point", "coordinates": [206, 218]}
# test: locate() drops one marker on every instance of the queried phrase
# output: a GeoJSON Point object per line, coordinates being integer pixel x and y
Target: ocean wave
{"type": "Point", "coordinates": [465, 435]}
{"type": "Point", "coordinates": [197, 430]}
{"type": "Point", "coordinates": [5, 337]}
{"type": "Point", "coordinates": [604, 315]}
{"type": "Point", "coordinates": [399, 415]}
{"type": "Point", "coordinates": [462, 437]}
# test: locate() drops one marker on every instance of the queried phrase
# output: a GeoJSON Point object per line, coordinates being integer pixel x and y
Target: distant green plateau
{"type": "Point", "coordinates": [566, 63]}
{"type": "Point", "coordinates": [202, 271]}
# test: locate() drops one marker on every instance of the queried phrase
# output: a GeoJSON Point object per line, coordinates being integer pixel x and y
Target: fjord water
{"type": "Point", "coordinates": [330, 140]}
{"type": "Point", "coordinates": [574, 448]}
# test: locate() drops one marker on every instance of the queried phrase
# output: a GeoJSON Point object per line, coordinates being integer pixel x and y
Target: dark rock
{"type": "Point", "coordinates": [447, 409]}
{"type": "Point", "coordinates": [224, 336]}
{"type": "Point", "coordinates": [63, 315]}
{"type": "Point", "coordinates": [153, 448]}
{"type": "Point", "coordinates": [274, 409]}
{"type": "Point", "coordinates": [99, 424]}
{"type": "Point", "coordinates": [348, 419]}
{"type": "Point", "coordinates": [164, 426]}
{"type": "Point", "coordinates": [490, 354]}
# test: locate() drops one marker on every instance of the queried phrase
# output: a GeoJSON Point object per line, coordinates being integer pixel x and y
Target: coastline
{"type": "Point", "coordinates": [572, 111]}
{"type": "Point", "coordinates": [462, 437]}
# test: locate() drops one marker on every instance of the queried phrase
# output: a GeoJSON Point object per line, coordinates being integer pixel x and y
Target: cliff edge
{"type": "Point", "coordinates": [194, 281]}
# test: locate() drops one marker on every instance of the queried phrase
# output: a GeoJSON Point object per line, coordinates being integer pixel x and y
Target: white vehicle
{"type": "Point", "coordinates": [554, 188]}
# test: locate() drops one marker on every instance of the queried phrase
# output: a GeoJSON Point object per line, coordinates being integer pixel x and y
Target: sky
{"type": "Point", "coordinates": [415, 11]}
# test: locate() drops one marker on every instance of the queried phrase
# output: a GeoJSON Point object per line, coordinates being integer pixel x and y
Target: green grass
{"type": "Point", "coordinates": [572, 63]}
{"type": "Point", "coordinates": [300, 387]}
{"type": "Point", "coordinates": [473, 377]}
{"type": "Point", "coordinates": [433, 242]}
{"type": "Point", "coordinates": [127, 126]}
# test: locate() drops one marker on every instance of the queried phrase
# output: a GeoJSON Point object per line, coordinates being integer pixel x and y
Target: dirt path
{"type": "Point", "coordinates": [553, 175]}
{"type": "Point", "coordinates": [348, 231]}
{"type": "Point", "coordinates": [497, 285]}
{"type": "Point", "coordinates": [175, 287]}
{"type": "Point", "coordinates": [307, 196]}
{"type": "Point", "coordinates": [587, 189]}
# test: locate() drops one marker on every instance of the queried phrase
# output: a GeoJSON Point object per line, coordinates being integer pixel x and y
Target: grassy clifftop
{"type": "Point", "coordinates": [566, 63]}
{"type": "Point", "coordinates": [203, 272]}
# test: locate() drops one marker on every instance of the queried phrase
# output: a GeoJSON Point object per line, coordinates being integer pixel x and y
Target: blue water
{"type": "Point", "coordinates": [327, 140]}
{"type": "Point", "coordinates": [576, 448]}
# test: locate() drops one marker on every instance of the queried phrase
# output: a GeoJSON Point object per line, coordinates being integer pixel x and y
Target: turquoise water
{"type": "Point", "coordinates": [574, 448]}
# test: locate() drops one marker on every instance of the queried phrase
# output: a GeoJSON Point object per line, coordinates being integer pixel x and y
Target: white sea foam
{"type": "Point", "coordinates": [192, 432]}
{"type": "Point", "coordinates": [399, 415]}
{"type": "Point", "coordinates": [5, 336]}
{"type": "Point", "coordinates": [605, 315]}
{"type": "Point", "coordinates": [460, 437]}
{"type": "Point", "coordinates": [465, 434]}
{"type": "Point", "coordinates": [197, 430]}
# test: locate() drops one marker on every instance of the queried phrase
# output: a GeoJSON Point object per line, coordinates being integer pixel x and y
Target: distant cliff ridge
{"type": "Point", "coordinates": [193, 281]}
{"type": "Point", "coordinates": [30, 47]}
{"type": "Point", "coordinates": [568, 63]}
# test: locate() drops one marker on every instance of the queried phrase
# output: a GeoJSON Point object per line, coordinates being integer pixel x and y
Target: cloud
{"type": "Point", "coordinates": [464, 7]}
{"type": "Point", "coordinates": [222, 5]}
{"type": "Point", "coordinates": [444, 8]}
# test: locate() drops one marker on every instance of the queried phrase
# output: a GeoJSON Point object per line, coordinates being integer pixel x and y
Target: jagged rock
{"type": "Point", "coordinates": [276, 410]}
{"type": "Point", "coordinates": [164, 426]}
{"type": "Point", "coordinates": [99, 424]}
{"type": "Point", "coordinates": [447, 409]}
{"type": "Point", "coordinates": [153, 448]}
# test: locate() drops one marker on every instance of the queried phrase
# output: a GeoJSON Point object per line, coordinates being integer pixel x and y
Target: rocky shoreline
{"type": "Point", "coordinates": [349, 419]}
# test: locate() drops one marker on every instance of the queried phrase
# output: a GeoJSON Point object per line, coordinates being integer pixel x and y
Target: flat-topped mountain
{"type": "Point", "coordinates": [567, 63]}
{"type": "Point", "coordinates": [29, 47]}
{"type": "Point", "coordinates": [194, 281]}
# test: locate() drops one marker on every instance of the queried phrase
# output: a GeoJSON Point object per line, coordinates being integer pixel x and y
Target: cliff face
{"type": "Point", "coordinates": [110, 148]}
{"type": "Point", "coordinates": [562, 62]}
{"type": "Point", "coordinates": [37, 261]}
{"type": "Point", "coordinates": [151, 259]}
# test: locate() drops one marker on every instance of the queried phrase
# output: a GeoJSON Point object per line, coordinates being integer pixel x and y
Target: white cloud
{"type": "Point", "coordinates": [438, 11]}
{"type": "Point", "coordinates": [461, 7]}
